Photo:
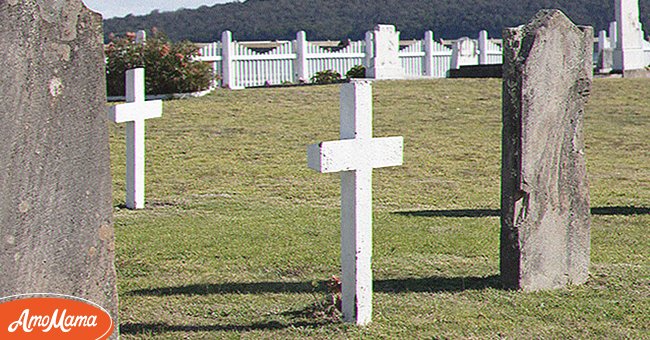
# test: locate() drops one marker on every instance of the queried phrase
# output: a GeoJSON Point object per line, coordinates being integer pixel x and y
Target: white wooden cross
{"type": "Point", "coordinates": [355, 155]}
{"type": "Point", "coordinates": [134, 113]}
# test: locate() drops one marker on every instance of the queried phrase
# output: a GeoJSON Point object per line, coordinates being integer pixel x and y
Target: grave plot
{"type": "Point", "coordinates": [134, 113]}
{"type": "Point", "coordinates": [355, 156]}
{"type": "Point", "coordinates": [243, 238]}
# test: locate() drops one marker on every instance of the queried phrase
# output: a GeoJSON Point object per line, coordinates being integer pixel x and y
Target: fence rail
{"type": "Point", "coordinates": [250, 64]}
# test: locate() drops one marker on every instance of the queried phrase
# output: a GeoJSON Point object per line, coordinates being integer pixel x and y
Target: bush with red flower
{"type": "Point", "coordinates": [169, 67]}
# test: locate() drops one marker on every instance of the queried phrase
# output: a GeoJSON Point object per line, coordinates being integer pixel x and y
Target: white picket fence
{"type": "Point", "coordinates": [250, 64]}
{"type": "Point", "coordinates": [412, 58]}
{"type": "Point", "coordinates": [319, 59]}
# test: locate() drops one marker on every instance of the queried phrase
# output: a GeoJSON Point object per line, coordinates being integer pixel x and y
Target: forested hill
{"type": "Point", "coordinates": [338, 19]}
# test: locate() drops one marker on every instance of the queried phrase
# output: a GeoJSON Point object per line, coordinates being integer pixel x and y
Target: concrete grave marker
{"type": "Point", "coordinates": [56, 234]}
{"type": "Point", "coordinates": [134, 113]}
{"type": "Point", "coordinates": [354, 156]}
{"type": "Point", "coordinates": [545, 217]}
{"type": "Point", "coordinates": [384, 55]}
{"type": "Point", "coordinates": [464, 53]}
{"type": "Point", "coordinates": [628, 54]}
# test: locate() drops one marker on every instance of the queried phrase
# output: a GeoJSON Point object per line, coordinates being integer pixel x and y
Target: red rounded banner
{"type": "Point", "coordinates": [50, 316]}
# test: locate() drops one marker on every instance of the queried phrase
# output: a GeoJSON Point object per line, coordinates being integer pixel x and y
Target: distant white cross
{"type": "Point", "coordinates": [355, 155]}
{"type": "Point", "coordinates": [134, 113]}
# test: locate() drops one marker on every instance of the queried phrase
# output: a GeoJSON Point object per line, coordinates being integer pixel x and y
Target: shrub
{"type": "Point", "coordinates": [358, 71]}
{"type": "Point", "coordinates": [326, 77]}
{"type": "Point", "coordinates": [169, 67]}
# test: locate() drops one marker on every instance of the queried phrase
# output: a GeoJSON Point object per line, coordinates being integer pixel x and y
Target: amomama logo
{"type": "Point", "coordinates": [49, 316]}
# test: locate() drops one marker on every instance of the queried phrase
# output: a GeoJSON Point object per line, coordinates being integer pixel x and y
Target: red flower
{"type": "Point", "coordinates": [164, 51]}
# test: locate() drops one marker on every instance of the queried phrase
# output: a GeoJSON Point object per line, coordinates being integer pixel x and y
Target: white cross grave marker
{"type": "Point", "coordinates": [134, 113]}
{"type": "Point", "coordinates": [355, 155]}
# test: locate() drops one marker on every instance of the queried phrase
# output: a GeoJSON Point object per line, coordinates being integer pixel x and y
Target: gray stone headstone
{"type": "Point", "coordinates": [545, 194]}
{"type": "Point", "coordinates": [56, 228]}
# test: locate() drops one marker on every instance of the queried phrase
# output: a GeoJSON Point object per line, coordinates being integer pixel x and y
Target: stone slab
{"type": "Point", "coordinates": [545, 217]}
{"type": "Point", "coordinates": [55, 180]}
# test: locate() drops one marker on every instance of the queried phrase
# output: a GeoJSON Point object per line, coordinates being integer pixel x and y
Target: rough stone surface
{"type": "Point", "coordinates": [56, 229]}
{"type": "Point", "coordinates": [545, 213]}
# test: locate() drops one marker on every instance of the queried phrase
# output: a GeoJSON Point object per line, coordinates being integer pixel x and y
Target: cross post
{"type": "Point", "coordinates": [354, 156]}
{"type": "Point", "coordinates": [134, 113]}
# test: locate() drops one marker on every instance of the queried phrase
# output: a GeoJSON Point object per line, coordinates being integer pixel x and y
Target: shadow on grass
{"type": "Point", "coordinates": [452, 213]}
{"type": "Point", "coordinates": [159, 328]}
{"type": "Point", "coordinates": [415, 285]}
{"type": "Point", "coordinates": [625, 211]}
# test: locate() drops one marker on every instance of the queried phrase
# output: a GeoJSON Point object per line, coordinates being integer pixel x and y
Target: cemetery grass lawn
{"type": "Point", "coordinates": [239, 237]}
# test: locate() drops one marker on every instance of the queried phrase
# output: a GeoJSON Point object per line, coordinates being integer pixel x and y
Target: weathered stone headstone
{"type": "Point", "coordinates": [384, 54]}
{"type": "Point", "coordinates": [354, 156]}
{"type": "Point", "coordinates": [134, 113]}
{"type": "Point", "coordinates": [56, 233]}
{"type": "Point", "coordinates": [628, 54]}
{"type": "Point", "coordinates": [545, 217]}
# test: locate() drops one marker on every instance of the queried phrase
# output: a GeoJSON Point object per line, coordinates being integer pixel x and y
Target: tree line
{"type": "Point", "coordinates": [341, 19]}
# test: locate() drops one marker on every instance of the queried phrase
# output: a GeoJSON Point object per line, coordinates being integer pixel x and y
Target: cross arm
{"type": "Point", "coordinates": [129, 112]}
{"type": "Point", "coordinates": [355, 154]}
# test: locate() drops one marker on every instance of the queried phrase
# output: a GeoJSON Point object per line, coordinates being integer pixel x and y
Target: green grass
{"type": "Point", "coordinates": [239, 236]}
